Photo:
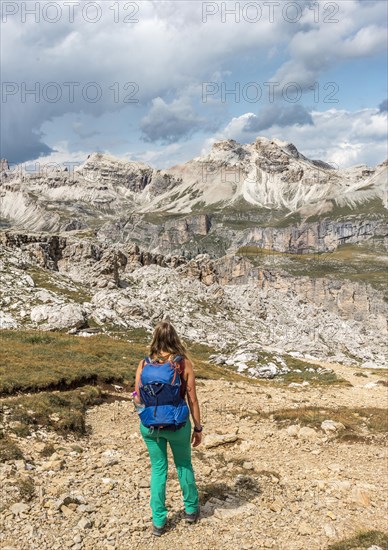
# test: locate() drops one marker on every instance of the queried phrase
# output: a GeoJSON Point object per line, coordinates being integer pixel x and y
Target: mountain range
{"type": "Point", "coordinates": [265, 194]}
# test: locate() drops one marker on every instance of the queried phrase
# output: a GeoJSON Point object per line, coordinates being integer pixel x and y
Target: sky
{"type": "Point", "coordinates": [161, 81]}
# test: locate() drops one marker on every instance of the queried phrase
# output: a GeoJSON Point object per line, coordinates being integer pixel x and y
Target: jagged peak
{"type": "Point", "coordinates": [225, 144]}
{"type": "Point", "coordinates": [285, 146]}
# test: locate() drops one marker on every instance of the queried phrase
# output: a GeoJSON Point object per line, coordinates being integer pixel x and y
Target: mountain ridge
{"type": "Point", "coordinates": [267, 175]}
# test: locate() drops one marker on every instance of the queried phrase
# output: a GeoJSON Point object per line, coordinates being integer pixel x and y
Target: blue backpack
{"type": "Point", "coordinates": [160, 391]}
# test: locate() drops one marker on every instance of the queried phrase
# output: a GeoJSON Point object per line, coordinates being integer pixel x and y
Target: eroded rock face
{"type": "Point", "coordinates": [44, 250]}
{"type": "Point", "coordinates": [225, 270]}
{"type": "Point", "coordinates": [323, 236]}
{"type": "Point", "coordinates": [349, 300]}
{"type": "Point", "coordinates": [84, 260]}
{"type": "Point", "coordinates": [180, 231]}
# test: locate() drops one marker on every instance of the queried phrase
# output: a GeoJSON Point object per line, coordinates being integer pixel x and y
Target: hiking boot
{"type": "Point", "coordinates": [157, 531]}
{"type": "Point", "coordinates": [192, 518]}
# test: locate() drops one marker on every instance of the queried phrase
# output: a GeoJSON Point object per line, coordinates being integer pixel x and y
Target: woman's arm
{"type": "Point", "coordinates": [193, 401]}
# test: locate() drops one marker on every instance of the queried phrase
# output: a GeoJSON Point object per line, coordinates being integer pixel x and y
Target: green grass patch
{"type": "Point", "coordinates": [314, 374]}
{"type": "Point", "coordinates": [58, 284]}
{"type": "Point", "coordinates": [8, 449]}
{"type": "Point", "coordinates": [63, 375]}
{"type": "Point", "coordinates": [362, 540]}
{"type": "Point", "coordinates": [359, 423]}
{"type": "Point", "coordinates": [37, 361]}
{"type": "Point", "coordinates": [161, 217]}
{"type": "Point", "coordinates": [63, 412]}
{"type": "Point", "coordinates": [370, 209]}
{"type": "Point", "coordinates": [239, 214]}
{"type": "Point", "coordinates": [33, 361]}
{"type": "Point", "coordinates": [288, 220]}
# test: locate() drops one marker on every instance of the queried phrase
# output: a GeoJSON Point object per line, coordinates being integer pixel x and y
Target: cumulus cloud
{"type": "Point", "coordinates": [169, 122]}
{"type": "Point", "coordinates": [167, 54]}
{"type": "Point", "coordinates": [21, 137]}
{"type": "Point", "coordinates": [278, 115]}
{"type": "Point", "coordinates": [33, 147]}
{"type": "Point", "coordinates": [59, 157]}
{"type": "Point", "coordinates": [358, 33]}
{"type": "Point", "coordinates": [157, 54]}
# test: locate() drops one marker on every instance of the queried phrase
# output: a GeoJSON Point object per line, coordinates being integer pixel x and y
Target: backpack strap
{"type": "Point", "coordinates": [179, 367]}
{"type": "Point", "coordinates": [183, 381]}
{"type": "Point", "coordinates": [176, 366]}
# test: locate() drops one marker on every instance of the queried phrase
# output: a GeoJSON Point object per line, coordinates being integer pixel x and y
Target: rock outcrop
{"type": "Point", "coordinates": [317, 237]}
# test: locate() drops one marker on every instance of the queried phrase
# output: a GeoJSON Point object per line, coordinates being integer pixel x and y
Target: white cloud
{"type": "Point", "coordinates": [169, 53]}
{"type": "Point", "coordinates": [60, 157]}
{"type": "Point", "coordinates": [367, 41]}
{"type": "Point", "coordinates": [236, 127]}
{"type": "Point", "coordinates": [279, 115]}
{"type": "Point", "coordinates": [157, 157]}
{"type": "Point", "coordinates": [170, 122]}
{"type": "Point", "coordinates": [360, 32]}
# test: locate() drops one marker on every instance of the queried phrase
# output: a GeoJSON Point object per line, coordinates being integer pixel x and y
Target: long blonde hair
{"type": "Point", "coordinates": [165, 338]}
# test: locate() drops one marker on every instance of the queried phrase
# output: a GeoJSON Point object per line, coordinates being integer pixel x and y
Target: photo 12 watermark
{"type": "Point", "coordinates": [70, 92]}
{"type": "Point", "coordinates": [269, 12]}
{"type": "Point", "coordinates": [70, 12]}
{"type": "Point", "coordinates": [254, 92]}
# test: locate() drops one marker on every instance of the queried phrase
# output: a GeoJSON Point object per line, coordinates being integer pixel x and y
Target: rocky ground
{"type": "Point", "coordinates": [261, 487]}
{"type": "Point", "coordinates": [55, 283]}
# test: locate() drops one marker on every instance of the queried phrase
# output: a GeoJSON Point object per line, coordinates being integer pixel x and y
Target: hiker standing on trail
{"type": "Point", "coordinates": [163, 380]}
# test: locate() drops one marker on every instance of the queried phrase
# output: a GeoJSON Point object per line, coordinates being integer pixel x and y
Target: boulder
{"type": "Point", "coordinates": [7, 321]}
{"type": "Point", "coordinates": [330, 426]}
{"type": "Point", "coordinates": [59, 317]}
{"type": "Point", "coordinates": [215, 440]}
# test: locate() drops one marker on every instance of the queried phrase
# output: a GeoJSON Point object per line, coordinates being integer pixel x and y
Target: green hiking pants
{"type": "Point", "coordinates": [180, 443]}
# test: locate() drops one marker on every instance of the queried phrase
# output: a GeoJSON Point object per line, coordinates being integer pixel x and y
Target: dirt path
{"type": "Point", "coordinates": [269, 488]}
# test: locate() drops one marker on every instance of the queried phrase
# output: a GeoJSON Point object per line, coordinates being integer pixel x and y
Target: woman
{"type": "Point", "coordinates": [166, 346]}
